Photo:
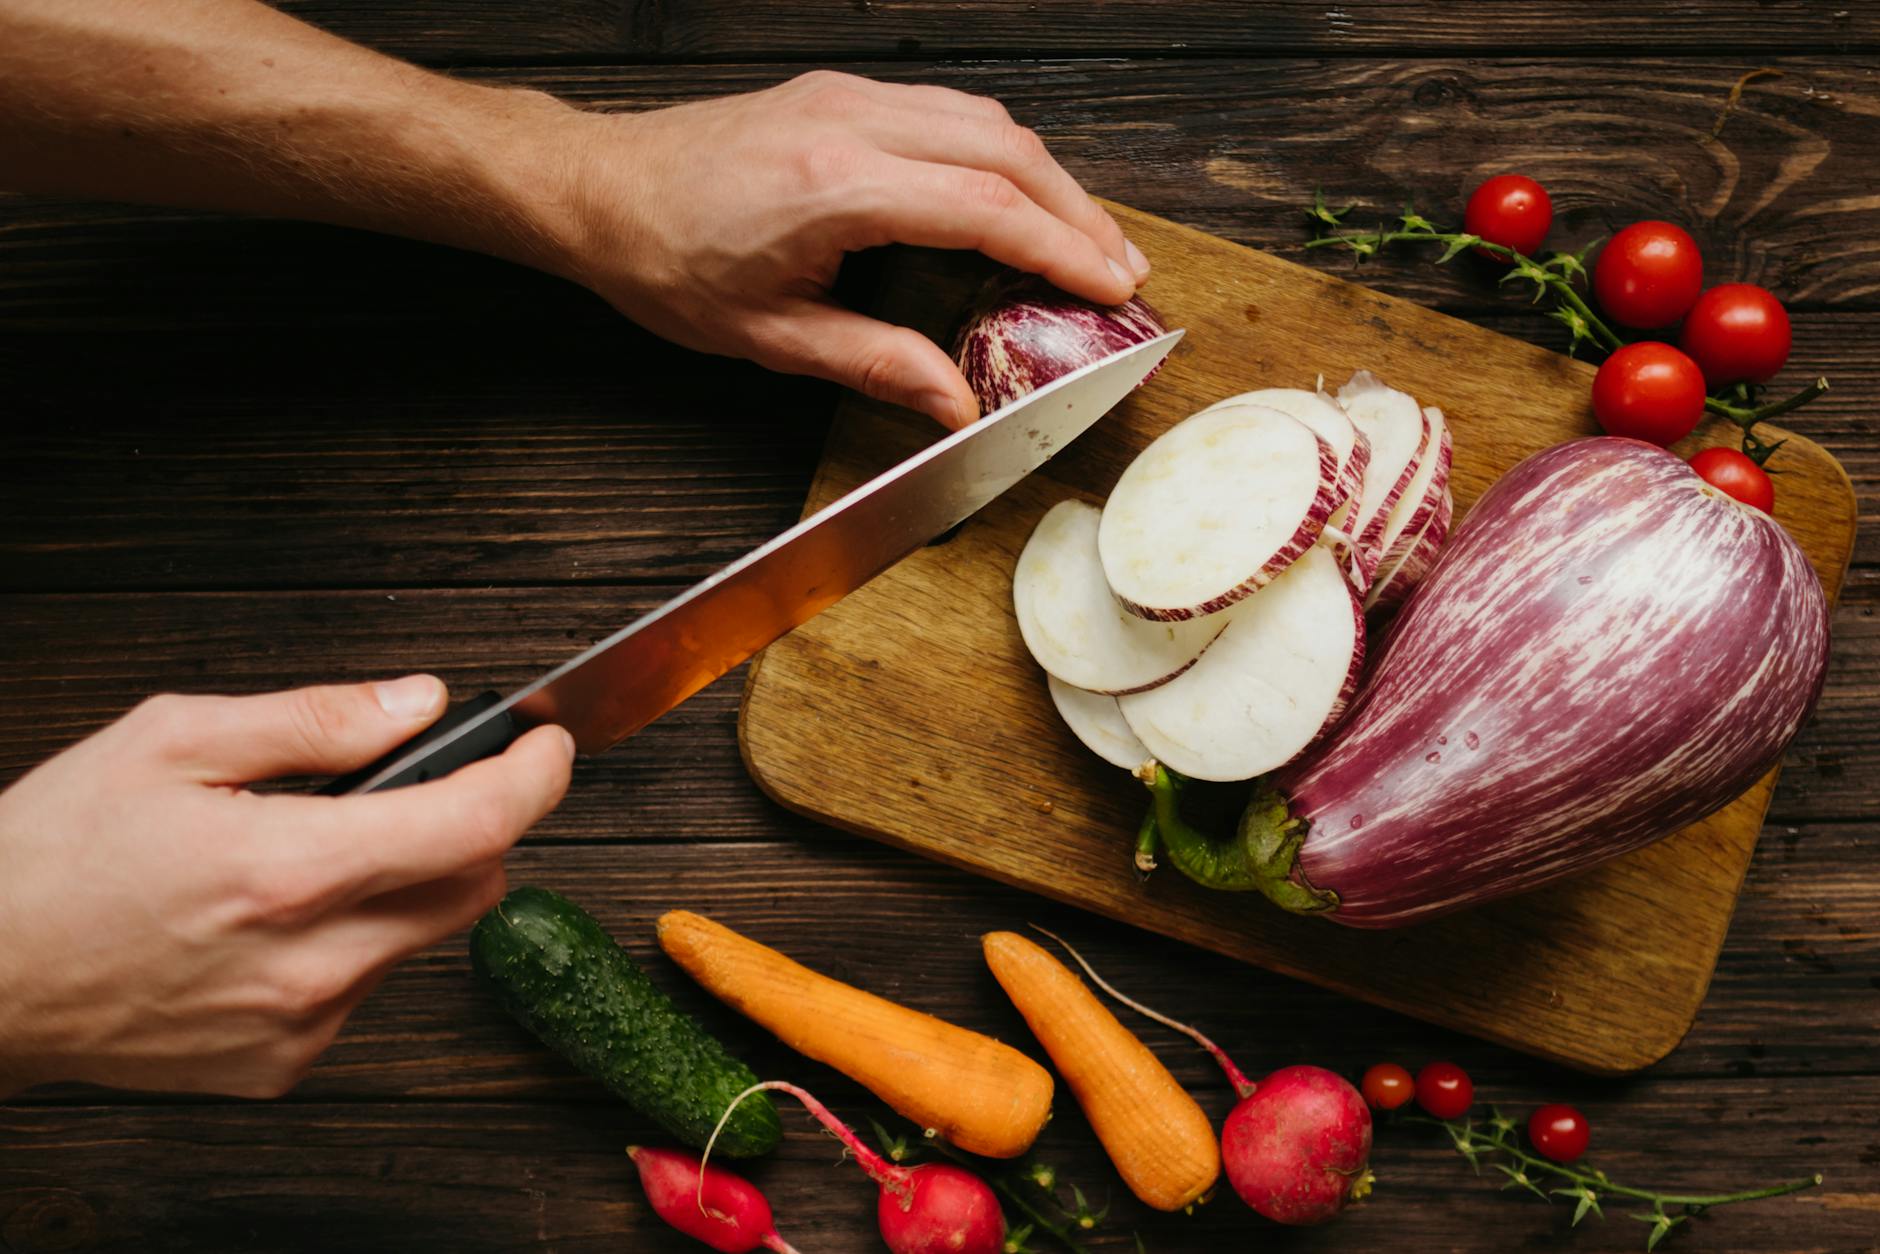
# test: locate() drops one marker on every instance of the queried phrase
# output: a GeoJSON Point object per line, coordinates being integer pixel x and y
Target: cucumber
{"type": "Point", "coordinates": [562, 976]}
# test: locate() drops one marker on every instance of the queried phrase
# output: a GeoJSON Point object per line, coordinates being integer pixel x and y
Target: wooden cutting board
{"type": "Point", "coordinates": [911, 712]}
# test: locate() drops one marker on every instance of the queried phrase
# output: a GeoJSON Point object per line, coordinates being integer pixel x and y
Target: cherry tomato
{"type": "Point", "coordinates": [1648, 275]}
{"type": "Point", "coordinates": [1511, 210]}
{"type": "Point", "coordinates": [1444, 1090]}
{"type": "Point", "coordinates": [1731, 470]}
{"type": "Point", "coordinates": [1387, 1086]}
{"type": "Point", "coordinates": [1559, 1132]}
{"type": "Point", "coordinates": [1650, 392]}
{"type": "Point", "coordinates": [1737, 333]}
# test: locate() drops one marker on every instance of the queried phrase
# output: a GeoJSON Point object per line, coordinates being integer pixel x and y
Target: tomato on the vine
{"type": "Point", "coordinates": [1733, 472]}
{"type": "Point", "coordinates": [1737, 333]}
{"type": "Point", "coordinates": [1511, 210]}
{"type": "Point", "coordinates": [1648, 275]}
{"type": "Point", "coordinates": [1387, 1086]}
{"type": "Point", "coordinates": [1650, 392]}
{"type": "Point", "coordinates": [1444, 1090]}
{"type": "Point", "coordinates": [1559, 1132]}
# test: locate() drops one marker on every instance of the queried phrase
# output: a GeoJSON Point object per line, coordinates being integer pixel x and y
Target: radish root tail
{"type": "Point", "coordinates": [1243, 1087]}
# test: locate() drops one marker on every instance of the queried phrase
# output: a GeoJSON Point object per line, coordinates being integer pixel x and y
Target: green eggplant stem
{"type": "Point", "coordinates": [1260, 856]}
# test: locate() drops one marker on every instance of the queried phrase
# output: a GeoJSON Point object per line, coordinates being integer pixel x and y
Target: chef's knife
{"type": "Point", "coordinates": [622, 683]}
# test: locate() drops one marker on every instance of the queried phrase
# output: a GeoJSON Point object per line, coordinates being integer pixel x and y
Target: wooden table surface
{"type": "Point", "coordinates": [242, 455]}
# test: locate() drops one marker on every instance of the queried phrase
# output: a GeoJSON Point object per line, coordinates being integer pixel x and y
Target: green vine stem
{"type": "Point", "coordinates": [1590, 1185]}
{"type": "Point", "coordinates": [1555, 274]}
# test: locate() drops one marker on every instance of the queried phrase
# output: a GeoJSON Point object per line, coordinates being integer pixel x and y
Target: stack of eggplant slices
{"type": "Point", "coordinates": [1210, 616]}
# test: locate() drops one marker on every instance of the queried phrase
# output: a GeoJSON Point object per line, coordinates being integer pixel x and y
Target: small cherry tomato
{"type": "Point", "coordinates": [1650, 392]}
{"type": "Point", "coordinates": [1559, 1132]}
{"type": "Point", "coordinates": [1731, 471]}
{"type": "Point", "coordinates": [1511, 210]}
{"type": "Point", "coordinates": [1736, 333]}
{"type": "Point", "coordinates": [1444, 1090]}
{"type": "Point", "coordinates": [1387, 1086]}
{"type": "Point", "coordinates": [1648, 275]}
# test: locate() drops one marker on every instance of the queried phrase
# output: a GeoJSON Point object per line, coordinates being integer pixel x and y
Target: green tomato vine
{"type": "Point", "coordinates": [1556, 274]}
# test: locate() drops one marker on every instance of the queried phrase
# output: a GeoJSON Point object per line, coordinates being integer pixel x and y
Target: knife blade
{"type": "Point", "coordinates": [621, 683]}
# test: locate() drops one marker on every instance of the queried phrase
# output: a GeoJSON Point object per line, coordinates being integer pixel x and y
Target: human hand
{"type": "Point", "coordinates": [163, 928]}
{"type": "Point", "coordinates": [721, 225]}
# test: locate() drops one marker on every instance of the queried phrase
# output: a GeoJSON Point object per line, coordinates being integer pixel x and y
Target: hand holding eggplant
{"type": "Point", "coordinates": [720, 225]}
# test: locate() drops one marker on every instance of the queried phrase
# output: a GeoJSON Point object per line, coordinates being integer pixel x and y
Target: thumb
{"type": "Point", "coordinates": [889, 363]}
{"type": "Point", "coordinates": [303, 731]}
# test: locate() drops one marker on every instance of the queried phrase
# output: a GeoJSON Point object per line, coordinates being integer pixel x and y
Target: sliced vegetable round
{"type": "Point", "coordinates": [1649, 392]}
{"type": "Point", "coordinates": [1511, 210]}
{"type": "Point", "coordinates": [1095, 719]}
{"type": "Point", "coordinates": [1387, 1086]}
{"type": "Point", "coordinates": [1075, 628]}
{"type": "Point", "coordinates": [1279, 674]}
{"type": "Point", "coordinates": [1736, 333]}
{"type": "Point", "coordinates": [1733, 472]}
{"type": "Point", "coordinates": [1214, 509]}
{"type": "Point", "coordinates": [1559, 1132]}
{"type": "Point", "coordinates": [1648, 275]}
{"type": "Point", "coordinates": [1398, 431]}
{"type": "Point", "coordinates": [1444, 1090]}
{"type": "Point", "coordinates": [1330, 423]}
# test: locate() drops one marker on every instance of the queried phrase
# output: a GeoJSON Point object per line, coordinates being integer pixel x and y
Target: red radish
{"type": "Point", "coordinates": [1281, 673]}
{"type": "Point", "coordinates": [1330, 423]}
{"type": "Point", "coordinates": [1610, 648]}
{"type": "Point", "coordinates": [1297, 1147]}
{"type": "Point", "coordinates": [723, 1210]}
{"type": "Point", "coordinates": [1398, 431]}
{"type": "Point", "coordinates": [1023, 333]}
{"type": "Point", "coordinates": [935, 1208]}
{"type": "Point", "coordinates": [1213, 510]}
{"type": "Point", "coordinates": [1098, 721]}
{"type": "Point", "coordinates": [1074, 627]}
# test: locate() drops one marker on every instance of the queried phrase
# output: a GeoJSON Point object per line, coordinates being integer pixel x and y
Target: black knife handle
{"type": "Point", "coordinates": [486, 741]}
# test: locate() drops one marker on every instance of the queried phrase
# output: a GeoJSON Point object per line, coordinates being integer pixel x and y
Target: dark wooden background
{"type": "Point", "coordinates": [241, 455]}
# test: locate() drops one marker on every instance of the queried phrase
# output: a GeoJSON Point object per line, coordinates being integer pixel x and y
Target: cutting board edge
{"type": "Point", "coordinates": [1645, 1052]}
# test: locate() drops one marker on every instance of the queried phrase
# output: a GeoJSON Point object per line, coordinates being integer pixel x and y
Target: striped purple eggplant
{"type": "Point", "coordinates": [1607, 650]}
{"type": "Point", "coordinates": [1022, 333]}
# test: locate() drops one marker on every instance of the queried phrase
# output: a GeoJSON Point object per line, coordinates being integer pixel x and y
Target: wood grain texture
{"type": "Point", "coordinates": [912, 711]}
{"type": "Point", "coordinates": [395, 396]}
{"type": "Point", "coordinates": [1783, 196]}
{"type": "Point", "coordinates": [455, 31]}
{"type": "Point", "coordinates": [507, 1176]}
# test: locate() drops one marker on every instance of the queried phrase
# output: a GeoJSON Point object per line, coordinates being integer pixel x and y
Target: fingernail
{"type": "Point", "coordinates": [1122, 276]}
{"type": "Point", "coordinates": [1136, 259]}
{"type": "Point", "coordinates": [409, 698]}
{"type": "Point", "coordinates": [567, 742]}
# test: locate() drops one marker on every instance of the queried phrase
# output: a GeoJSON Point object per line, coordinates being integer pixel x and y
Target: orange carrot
{"type": "Point", "coordinates": [1160, 1140]}
{"type": "Point", "coordinates": [981, 1095]}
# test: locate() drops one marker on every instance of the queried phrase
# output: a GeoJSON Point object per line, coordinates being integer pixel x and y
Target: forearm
{"type": "Point", "coordinates": [229, 104]}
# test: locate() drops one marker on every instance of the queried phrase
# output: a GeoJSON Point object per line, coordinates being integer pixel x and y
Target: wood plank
{"type": "Point", "coordinates": [918, 685]}
{"type": "Point", "coordinates": [1232, 146]}
{"type": "Point", "coordinates": [498, 1176]}
{"type": "Point", "coordinates": [606, 458]}
{"type": "Point", "coordinates": [517, 455]}
{"type": "Point", "coordinates": [453, 31]}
